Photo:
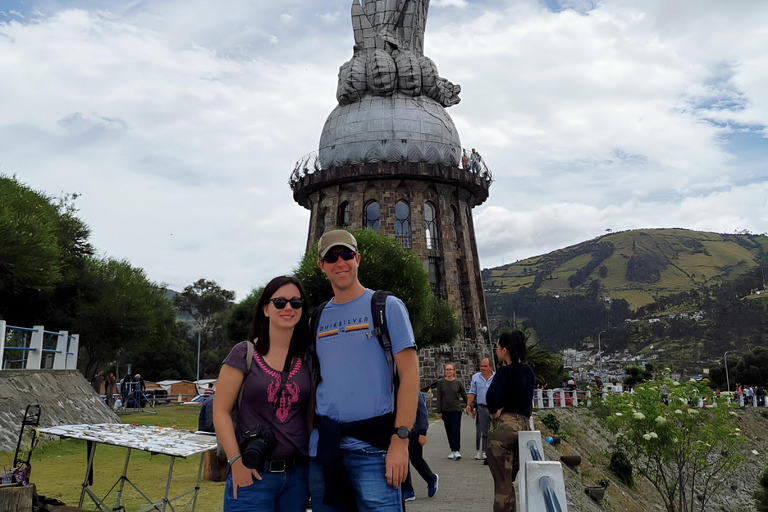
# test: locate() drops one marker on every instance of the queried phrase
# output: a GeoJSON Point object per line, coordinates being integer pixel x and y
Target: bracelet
{"type": "Point", "coordinates": [233, 458]}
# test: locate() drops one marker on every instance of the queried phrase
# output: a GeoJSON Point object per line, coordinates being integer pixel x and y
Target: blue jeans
{"type": "Point", "coordinates": [275, 492]}
{"type": "Point", "coordinates": [366, 470]}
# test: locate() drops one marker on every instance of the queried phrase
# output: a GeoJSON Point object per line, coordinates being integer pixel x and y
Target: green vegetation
{"type": "Point", "coordinates": [685, 452]}
{"type": "Point", "coordinates": [58, 467]}
{"type": "Point", "coordinates": [621, 467]}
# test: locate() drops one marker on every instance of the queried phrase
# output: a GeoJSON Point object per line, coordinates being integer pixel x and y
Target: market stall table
{"type": "Point", "coordinates": [166, 441]}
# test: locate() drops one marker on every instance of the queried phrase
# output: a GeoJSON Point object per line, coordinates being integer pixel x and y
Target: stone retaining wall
{"type": "Point", "coordinates": [65, 398]}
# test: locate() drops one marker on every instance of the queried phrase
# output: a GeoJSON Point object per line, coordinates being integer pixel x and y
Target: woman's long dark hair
{"type": "Point", "coordinates": [260, 322]}
{"type": "Point", "coordinates": [514, 342]}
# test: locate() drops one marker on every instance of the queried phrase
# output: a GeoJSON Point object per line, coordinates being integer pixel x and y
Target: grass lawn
{"type": "Point", "coordinates": [58, 467]}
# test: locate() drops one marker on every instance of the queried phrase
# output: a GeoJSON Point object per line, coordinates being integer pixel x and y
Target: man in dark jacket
{"type": "Point", "coordinates": [416, 441]}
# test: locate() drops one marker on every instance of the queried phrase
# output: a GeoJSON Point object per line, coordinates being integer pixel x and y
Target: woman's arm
{"type": "Point", "coordinates": [227, 388]}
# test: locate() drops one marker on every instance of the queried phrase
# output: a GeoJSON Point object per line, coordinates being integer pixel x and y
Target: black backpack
{"type": "Point", "coordinates": [379, 308]}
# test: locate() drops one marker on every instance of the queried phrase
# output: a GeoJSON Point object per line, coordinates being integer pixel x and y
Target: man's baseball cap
{"type": "Point", "coordinates": [334, 238]}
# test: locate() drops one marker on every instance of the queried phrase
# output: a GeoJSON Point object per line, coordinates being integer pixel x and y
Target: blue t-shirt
{"type": "Point", "coordinates": [356, 383]}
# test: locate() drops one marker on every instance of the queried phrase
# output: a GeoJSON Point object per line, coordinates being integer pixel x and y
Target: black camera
{"type": "Point", "coordinates": [256, 445]}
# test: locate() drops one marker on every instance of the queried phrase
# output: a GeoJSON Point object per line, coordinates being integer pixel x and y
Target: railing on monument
{"type": "Point", "coordinates": [310, 164]}
{"type": "Point", "coordinates": [34, 348]}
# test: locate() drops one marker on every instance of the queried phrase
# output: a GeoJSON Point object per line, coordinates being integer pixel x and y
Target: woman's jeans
{"type": "Point", "coordinates": [452, 423]}
{"type": "Point", "coordinates": [275, 492]}
{"type": "Point", "coordinates": [366, 471]}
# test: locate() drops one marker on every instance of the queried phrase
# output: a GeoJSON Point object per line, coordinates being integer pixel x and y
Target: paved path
{"type": "Point", "coordinates": [465, 485]}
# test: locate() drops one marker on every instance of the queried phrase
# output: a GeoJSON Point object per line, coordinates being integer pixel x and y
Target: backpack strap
{"type": "Point", "coordinates": [380, 330]}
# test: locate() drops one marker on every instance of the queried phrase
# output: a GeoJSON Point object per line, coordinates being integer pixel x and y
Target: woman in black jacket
{"type": "Point", "coordinates": [510, 401]}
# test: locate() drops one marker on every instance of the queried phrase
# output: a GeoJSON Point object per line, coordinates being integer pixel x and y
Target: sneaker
{"type": "Point", "coordinates": [432, 487]}
{"type": "Point", "coordinates": [458, 455]}
{"type": "Point", "coordinates": [409, 496]}
{"type": "Point", "coordinates": [485, 455]}
{"type": "Point", "coordinates": [452, 455]}
{"type": "Point", "coordinates": [478, 455]}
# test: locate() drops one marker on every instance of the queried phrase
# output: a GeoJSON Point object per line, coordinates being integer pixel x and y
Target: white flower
{"type": "Point", "coordinates": [647, 437]}
{"type": "Point", "coordinates": [737, 430]}
{"type": "Point", "coordinates": [654, 435]}
{"type": "Point", "coordinates": [678, 411]}
{"type": "Point", "coordinates": [693, 412]}
{"type": "Point", "coordinates": [619, 414]}
{"type": "Point", "coordinates": [661, 420]}
{"type": "Point", "coordinates": [675, 383]}
{"type": "Point", "coordinates": [639, 416]}
{"type": "Point", "coordinates": [683, 400]}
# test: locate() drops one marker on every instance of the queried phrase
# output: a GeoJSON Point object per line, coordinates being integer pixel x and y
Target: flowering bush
{"type": "Point", "coordinates": [686, 452]}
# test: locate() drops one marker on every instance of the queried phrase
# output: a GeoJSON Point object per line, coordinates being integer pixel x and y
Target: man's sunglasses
{"type": "Point", "coordinates": [280, 302]}
{"type": "Point", "coordinates": [333, 257]}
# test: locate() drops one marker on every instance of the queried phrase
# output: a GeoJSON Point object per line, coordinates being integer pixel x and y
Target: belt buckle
{"type": "Point", "coordinates": [277, 466]}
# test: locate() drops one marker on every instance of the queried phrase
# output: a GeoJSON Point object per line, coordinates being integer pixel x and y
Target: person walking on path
{"type": "Point", "coordinates": [109, 389]}
{"type": "Point", "coordinates": [416, 442]}
{"type": "Point", "coordinates": [267, 449]}
{"type": "Point", "coordinates": [478, 388]}
{"type": "Point", "coordinates": [510, 403]}
{"type": "Point", "coordinates": [359, 452]}
{"type": "Point", "coordinates": [451, 399]}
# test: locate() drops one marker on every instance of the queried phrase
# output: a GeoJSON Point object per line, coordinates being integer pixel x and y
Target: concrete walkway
{"type": "Point", "coordinates": [464, 485]}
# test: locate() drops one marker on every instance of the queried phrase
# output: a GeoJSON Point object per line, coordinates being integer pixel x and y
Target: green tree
{"type": "Point", "coordinates": [43, 246]}
{"type": "Point", "coordinates": [119, 309]}
{"type": "Point", "coordinates": [384, 266]}
{"type": "Point", "coordinates": [442, 326]}
{"type": "Point", "coordinates": [686, 453]}
{"type": "Point", "coordinates": [207, 303]}
{"type": "Point", "coordinates": [761, 495]}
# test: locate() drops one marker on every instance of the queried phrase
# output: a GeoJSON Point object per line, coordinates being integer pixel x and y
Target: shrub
{"type": "Point", "coordinates": [551, 422]}
{"type": "Point", "coordinates": [762, 494]}
{"type": "Point", "coordinates": [621, 467]}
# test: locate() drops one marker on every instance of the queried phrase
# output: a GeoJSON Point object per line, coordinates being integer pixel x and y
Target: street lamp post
{"type": "Point", "coordinates": [727, 380]}
{"type": "Point", "coordinates": [198, 361]}
{"type": "Point", "coordinates": [599, 356]}
{"type": "Point", "coordinates": [490, 346]}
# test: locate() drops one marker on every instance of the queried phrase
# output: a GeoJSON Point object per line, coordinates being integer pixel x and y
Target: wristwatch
{"type": "Point", "coordinates": [402, 432]}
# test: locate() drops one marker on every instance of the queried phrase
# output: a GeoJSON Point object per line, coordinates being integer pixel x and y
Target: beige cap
{"type": "Point", "coordinates": [334, 238]}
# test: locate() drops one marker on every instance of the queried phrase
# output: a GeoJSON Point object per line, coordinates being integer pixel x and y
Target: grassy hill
{"type": "Point", "coordinates": [638, 266]}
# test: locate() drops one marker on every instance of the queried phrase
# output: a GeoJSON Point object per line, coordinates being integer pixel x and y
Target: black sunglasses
{"type": "Point", "coordinates": [280, 302]}
{"type": "Point", "coordinates": [333, 257]}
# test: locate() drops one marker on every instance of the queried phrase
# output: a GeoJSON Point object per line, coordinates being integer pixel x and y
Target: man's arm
{"type": "Point", "coordinates": [470, 399]}
{"type": "Point", "coordinates": [407, 362]}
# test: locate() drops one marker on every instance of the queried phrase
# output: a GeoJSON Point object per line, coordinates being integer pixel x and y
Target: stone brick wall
{"type": "Point", "coordinates": [65, 398]}
{"type": "Point", "coordinates": [464, 354]}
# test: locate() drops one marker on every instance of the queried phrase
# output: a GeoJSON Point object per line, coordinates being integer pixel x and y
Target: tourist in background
{"type": "Point", "coordinates": [478, 388]}
{"type": "Point", "coordinates": [109, 389]}
{"type": "Point", "coordinates": [416, 441]}
{"type": "Point", "coordinates": [451, 398]}
{"type": "Point", "coordinates": [510, 400]}
{"type": "Point", "coordinates": [274, 412]}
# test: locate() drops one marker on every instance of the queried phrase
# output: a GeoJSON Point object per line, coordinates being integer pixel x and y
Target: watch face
{"type": "Point", "coordinates": [402, 432]}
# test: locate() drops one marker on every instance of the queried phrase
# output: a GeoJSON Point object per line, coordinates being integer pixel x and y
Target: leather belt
{"type": "Point", "coordinates": [282, 465]}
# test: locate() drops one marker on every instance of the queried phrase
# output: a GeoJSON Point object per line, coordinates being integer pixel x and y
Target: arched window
{"type": "Point", "coordinates": [454, 223]}
{"type": "Point", "coordinates": [430, 225]}
{"type": "Point", "coordinates": [403, 224]}
{"type": "Point", "coordinates": [372, 211]}
{"type": "Point", "coordinates": [343, 220]}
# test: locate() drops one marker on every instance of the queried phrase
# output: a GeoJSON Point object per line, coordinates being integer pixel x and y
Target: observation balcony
{"type": "Point", "coordinates": [310, 175]}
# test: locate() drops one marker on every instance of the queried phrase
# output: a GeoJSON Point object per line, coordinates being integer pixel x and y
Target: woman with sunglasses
{"type": "Point", "coordinates": [276, 393]}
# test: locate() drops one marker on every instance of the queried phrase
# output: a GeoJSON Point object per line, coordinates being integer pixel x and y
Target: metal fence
{"type": "Point", "coordinates": [34, 348]}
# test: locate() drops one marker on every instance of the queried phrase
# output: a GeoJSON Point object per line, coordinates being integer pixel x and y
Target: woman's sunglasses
{"type": "Point", "coordinates": [333, 257]}
{"type": "Point", "coordinates": [280, 302]}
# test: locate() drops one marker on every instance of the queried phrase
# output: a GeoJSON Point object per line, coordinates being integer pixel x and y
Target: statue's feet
{"type": "Point", "coordinates": [408, 73]}
{"type": "Point", "coordinates": [381, 73]}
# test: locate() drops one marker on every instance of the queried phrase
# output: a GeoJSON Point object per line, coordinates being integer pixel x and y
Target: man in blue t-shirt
{"type": "Point", "coordinates": [359, 453]}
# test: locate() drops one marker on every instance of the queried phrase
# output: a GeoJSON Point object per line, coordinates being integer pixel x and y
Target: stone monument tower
{"type": "Point", "coordinates": [390, 158]}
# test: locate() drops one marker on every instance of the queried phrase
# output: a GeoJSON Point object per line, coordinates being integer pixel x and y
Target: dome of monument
{"type": "Point", "coordinates": [390, 129]}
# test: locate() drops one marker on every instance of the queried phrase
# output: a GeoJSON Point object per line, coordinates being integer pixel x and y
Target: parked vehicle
{"type": "Point", "coordinates": [198, 400]}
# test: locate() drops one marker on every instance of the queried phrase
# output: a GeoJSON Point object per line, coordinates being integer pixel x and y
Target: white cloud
{"type": "Point", "coordinates": [180, 123]}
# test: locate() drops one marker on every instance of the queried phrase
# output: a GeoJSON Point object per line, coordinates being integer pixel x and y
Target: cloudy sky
{"type": "Point", "coordinates": [180, 121]}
